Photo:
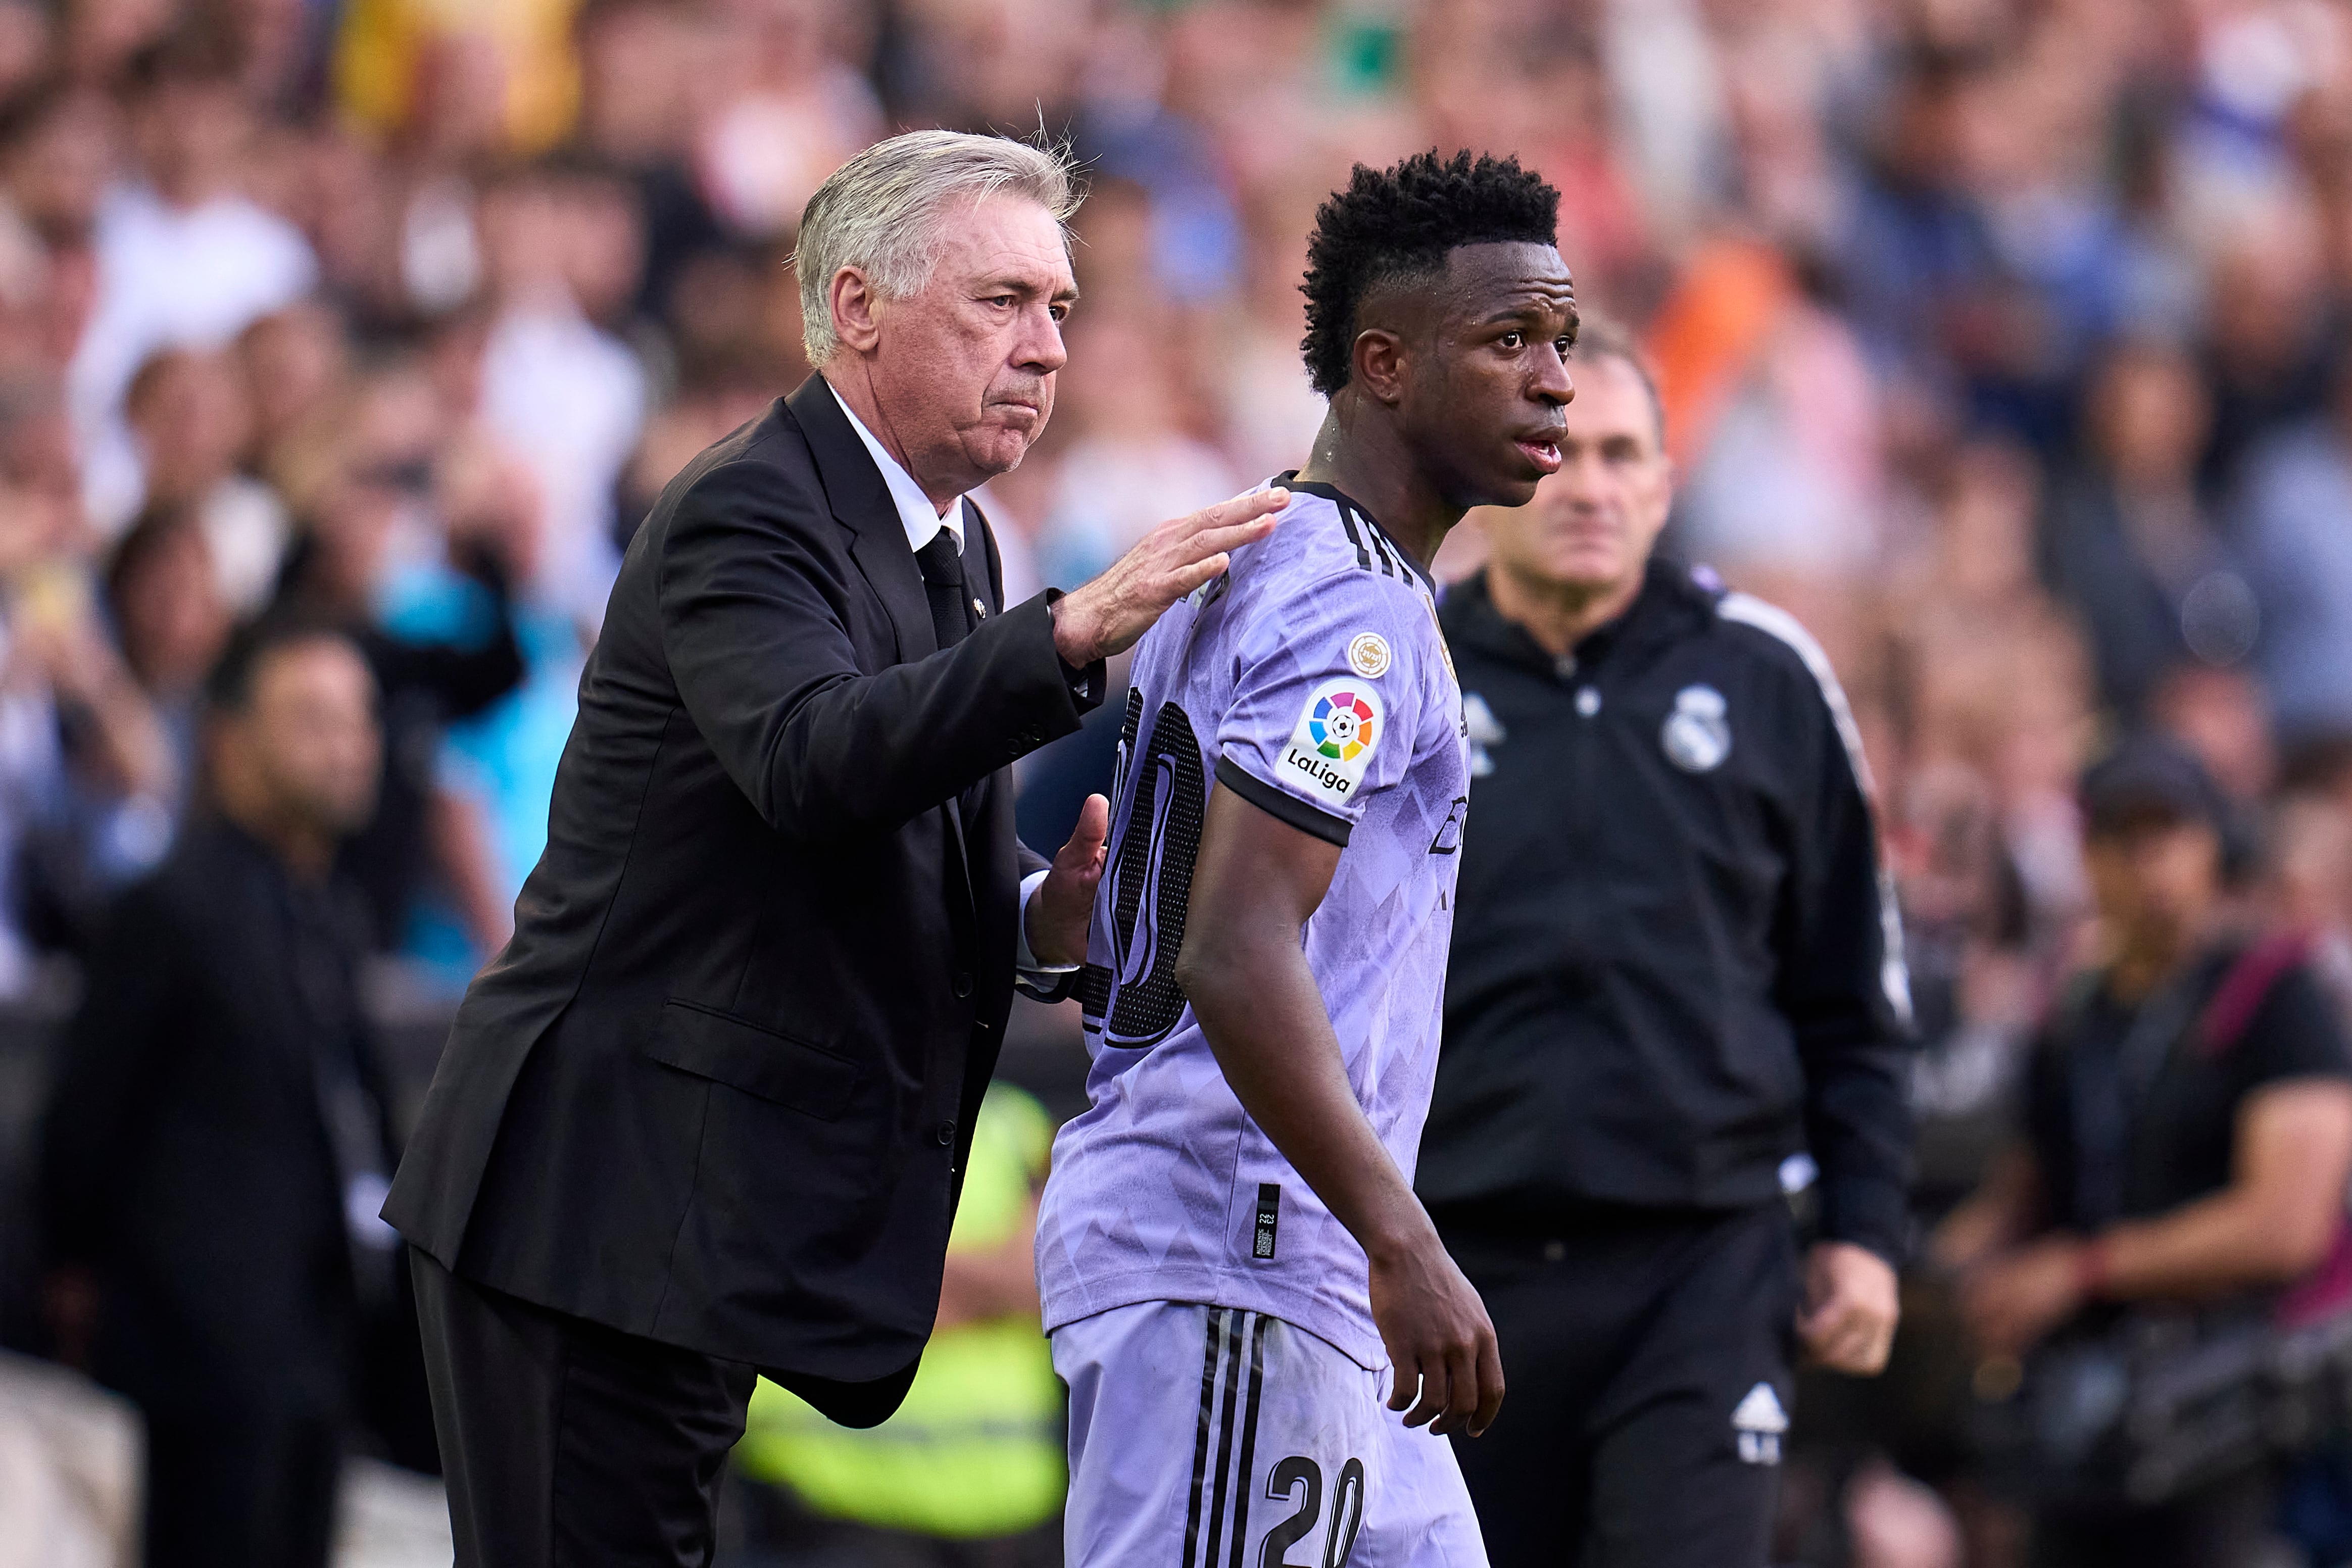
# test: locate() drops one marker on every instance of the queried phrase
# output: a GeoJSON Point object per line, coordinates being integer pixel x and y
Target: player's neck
{"type": "Point", "coordinates": [1377, 473]}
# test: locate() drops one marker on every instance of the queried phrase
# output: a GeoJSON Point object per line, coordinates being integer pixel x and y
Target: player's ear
{"type": "Point", "coordinates": [1378, 364]}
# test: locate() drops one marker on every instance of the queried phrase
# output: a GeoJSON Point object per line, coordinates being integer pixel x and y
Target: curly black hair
{"type": "Point", "coordinates": [1397, 222]}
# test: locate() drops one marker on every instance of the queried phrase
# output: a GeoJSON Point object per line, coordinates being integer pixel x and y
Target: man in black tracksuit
{"type": "Point", "coordinates": [1677, 990]}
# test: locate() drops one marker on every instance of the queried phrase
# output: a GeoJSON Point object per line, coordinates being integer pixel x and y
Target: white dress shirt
{"type": "Point", "coordinates": [923, 522]}
{"type": "Point", "coordinates": [921, 518]}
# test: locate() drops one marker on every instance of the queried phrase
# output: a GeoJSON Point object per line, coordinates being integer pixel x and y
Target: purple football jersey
{"type": "Point", "coordinates": [1311, 679]}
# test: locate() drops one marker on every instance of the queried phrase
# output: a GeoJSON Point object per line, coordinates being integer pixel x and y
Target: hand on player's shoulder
{"type": "Point", "coordinates": [1109, 614]}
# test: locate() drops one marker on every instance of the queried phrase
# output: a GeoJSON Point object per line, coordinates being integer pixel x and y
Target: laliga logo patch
{"type": "Point", "coordinates": [1368, 655]}
{"type": "Point", "coordinates": [1696, 736]}
{"type": "Point", "coordinates": [1342, 726]}
{"type": "Point", "coordinates": [1336, 736]}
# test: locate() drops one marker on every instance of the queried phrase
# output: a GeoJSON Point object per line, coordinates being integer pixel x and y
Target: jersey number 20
{"type": "Point", "coordinates": [1347, 1511]}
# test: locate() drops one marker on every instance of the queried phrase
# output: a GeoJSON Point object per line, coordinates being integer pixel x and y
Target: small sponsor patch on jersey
{"type": "Point", "coordinates": [1759, 1422]}
{"type": "Point", "coordinates": [1368, 655]}
{"type": "Point", "coordinates": [1338, 731]}
{"type": "Point", "coordinates": [1269, 1218]}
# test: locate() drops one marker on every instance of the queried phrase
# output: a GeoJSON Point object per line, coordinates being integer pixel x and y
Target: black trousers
{"type": "Point", "coordinates": [244, 1447]}
{"type": "Point", "coordinates": [241, 1489]}
{"type": "Point", "coordinates": [1635, 1345]}
{"type": "Point", "coordinates": [565, 1443]}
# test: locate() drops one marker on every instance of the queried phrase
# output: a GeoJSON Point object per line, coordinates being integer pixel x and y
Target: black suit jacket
{"type": "Point", "coordinates": [186, 1158]}
{"type": "Point", "coordinates": [720, 1088]}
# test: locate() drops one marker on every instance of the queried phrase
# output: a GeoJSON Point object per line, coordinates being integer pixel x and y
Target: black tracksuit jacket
{"type": "Point", "coordinates": [1675, 963]}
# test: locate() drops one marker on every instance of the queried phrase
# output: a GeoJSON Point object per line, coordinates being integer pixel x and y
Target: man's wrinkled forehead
{"type": "Point", "coordinates": [1011, 242]}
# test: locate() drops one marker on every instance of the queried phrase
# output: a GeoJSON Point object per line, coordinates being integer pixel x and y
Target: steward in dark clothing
{"type": "Point", "coordinates": [1671, 969]}
{"type": "Point", "coordinates": [218, 1116]}
{"type": "Point", "coordinates": [1674, 978]}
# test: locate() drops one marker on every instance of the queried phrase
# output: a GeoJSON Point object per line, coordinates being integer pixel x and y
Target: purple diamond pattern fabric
{"type": "Point", "coordinates": [1311, 679]}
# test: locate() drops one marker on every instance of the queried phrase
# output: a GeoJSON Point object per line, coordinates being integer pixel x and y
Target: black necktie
{"type": "Point", "coordinates": [943, 565]}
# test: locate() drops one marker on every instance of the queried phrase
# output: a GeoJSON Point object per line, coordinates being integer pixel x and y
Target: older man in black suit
{"type": "Point", "coordinates": [708, 1112]}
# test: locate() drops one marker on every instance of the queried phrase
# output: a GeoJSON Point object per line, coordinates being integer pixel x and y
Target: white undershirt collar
{"type": "Point", "coordinates": [921, 518]}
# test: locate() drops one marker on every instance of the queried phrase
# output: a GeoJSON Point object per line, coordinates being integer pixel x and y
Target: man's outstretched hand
{"type": "Point", "coordinates": [1110, 613]}
{"type": "Point", "coordinates": [1058, 911]}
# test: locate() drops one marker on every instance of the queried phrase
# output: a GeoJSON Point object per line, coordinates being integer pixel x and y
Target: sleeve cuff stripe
{"type": "Point", "coordinates": [1281, 806]}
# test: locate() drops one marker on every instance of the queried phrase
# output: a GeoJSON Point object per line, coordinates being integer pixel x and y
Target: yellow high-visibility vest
{"type": "Point", "coordinates": [976, 1450]}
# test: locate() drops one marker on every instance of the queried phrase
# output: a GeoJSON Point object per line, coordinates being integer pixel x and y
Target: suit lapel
{"type": "Point", "coordinates": [861, 503]}
{"type": "Point", "coordinates": [990, 585]}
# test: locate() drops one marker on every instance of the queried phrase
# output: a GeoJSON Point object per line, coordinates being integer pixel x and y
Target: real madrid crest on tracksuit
{"type": "Point", "coordinates": [1696, 735]}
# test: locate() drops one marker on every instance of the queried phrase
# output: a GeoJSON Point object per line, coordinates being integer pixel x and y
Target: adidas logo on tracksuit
{"type": "Point", "coordinates": [1759, 1421]}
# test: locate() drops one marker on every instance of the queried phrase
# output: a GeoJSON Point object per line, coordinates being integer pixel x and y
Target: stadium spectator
{"type": "Point", "coordinates": [291, 363]}
{"type": "Point", "coordinates": [2222, 716]}
{"type": "Point", "coordinates": [2268, 328]}
{"type": "Point", "coordinates": [2298, 556]}
{"type": "Point", "coordinates": [642, 101]}
{"type": "Point", "coordinates": [2129, 539]}
{"type": "Point", "coordinates": [57, 152]}
{"type": "Point", "coordinates": [164, 600]}
{"type": "Point", "coordinates": [185, 256]}
{"type": "Point", "coordinates": [559, 389]}
{"type": "Point", "coordinates": [192, 421]}
{"type": "Point", "coordinates": [1918, 253]}
{"type": "Point", "coordinates": [789, 110]}
{"type": "Point", "coordinates": [379, 484]}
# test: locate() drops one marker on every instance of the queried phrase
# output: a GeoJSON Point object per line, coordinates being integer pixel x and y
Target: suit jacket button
{"type": "Point", "coordinates": [946, 1134]}
{"type": "Point", "coordinates": [961, 985]}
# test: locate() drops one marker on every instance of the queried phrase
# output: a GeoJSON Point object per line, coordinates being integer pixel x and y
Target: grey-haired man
{"type": "Point", "coordinates": [708, 1112]}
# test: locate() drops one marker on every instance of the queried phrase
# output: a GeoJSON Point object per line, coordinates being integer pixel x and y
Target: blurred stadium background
{"type": "Point", "coordinates": [2007, 342]}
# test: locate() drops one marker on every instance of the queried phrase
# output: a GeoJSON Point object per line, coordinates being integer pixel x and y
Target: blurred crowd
{"type": "Point", "coordinates": [2000, 339]}
{"type": "Point", "coordinates": [2006, 343]}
